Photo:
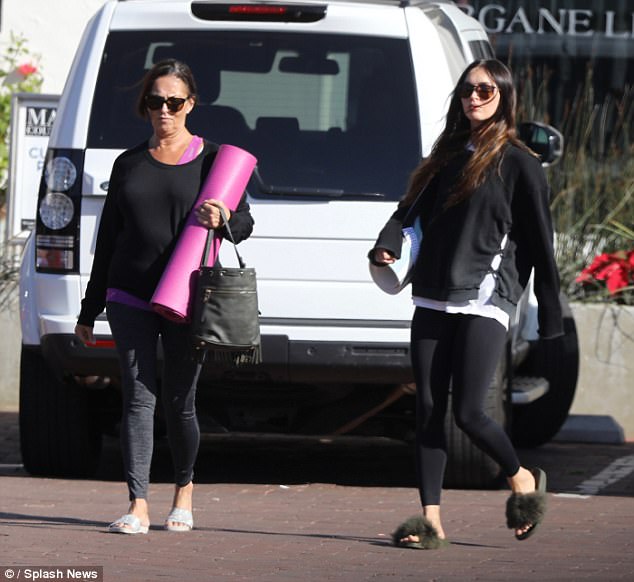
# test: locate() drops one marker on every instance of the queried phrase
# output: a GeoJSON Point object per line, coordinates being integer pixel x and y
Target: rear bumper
{"type": "Point", "coordinates": [284, 360]}
{"type": "Point", "coordinates": [288, 360]}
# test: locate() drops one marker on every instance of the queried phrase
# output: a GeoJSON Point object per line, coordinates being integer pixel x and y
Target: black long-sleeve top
{"type": "Point", "coordinates": [146, 209]}
{"type": "Point", "coordinates": [459, 242]}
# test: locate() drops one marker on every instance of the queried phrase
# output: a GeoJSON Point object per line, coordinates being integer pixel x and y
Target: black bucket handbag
{"type": "Point", "coordinates": [225, 318]}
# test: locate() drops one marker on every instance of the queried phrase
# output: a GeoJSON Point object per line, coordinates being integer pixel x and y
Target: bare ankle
{"type": "Point", "coordinates": [183, 495]}
{"type": "Point", "coordinates": [432, 514]}
{"type": "Point", "coordinates": [522, 482]}
{"type": "Point", "coordinates": [139, 507]}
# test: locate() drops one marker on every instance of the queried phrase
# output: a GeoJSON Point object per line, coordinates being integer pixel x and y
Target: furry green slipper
{"type": "Point", "coordinates": [527, 509]}
{"type": "Point", "coordinates": [418, 526]}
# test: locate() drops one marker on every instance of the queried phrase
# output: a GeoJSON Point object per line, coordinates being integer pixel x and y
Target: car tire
{"type": "Point", "coordinates": [58, 435]}
{"type": "Point", "coordinates": [468, 467]}
{"type": "Point", "coordinates": [557, 360]}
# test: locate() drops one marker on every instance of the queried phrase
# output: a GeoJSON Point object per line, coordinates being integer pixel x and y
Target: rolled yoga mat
{"type": "Point", "coordinates": [226, 181]}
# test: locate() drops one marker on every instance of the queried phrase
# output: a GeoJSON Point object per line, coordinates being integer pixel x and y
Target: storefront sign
{"type": "Point", "coordinates": [577, 21]}
{"type": "Point", "coordinates": [32, 117]}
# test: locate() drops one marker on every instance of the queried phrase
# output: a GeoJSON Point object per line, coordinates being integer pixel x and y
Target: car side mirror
{"type": "Point", "coordinates": [543, 139]}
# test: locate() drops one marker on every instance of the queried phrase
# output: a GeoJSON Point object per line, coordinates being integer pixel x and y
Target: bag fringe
{"type": "Point", "coordinates": [232, 357]}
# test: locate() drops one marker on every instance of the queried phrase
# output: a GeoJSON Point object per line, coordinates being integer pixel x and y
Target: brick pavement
{"type": "Point", "coordinates": [322, 531]}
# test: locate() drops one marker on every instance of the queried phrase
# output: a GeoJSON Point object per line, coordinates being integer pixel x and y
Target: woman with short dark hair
{"type": "Point", "coordinates": [151, 192]}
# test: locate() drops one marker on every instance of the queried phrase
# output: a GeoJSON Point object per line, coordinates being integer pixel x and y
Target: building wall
{"type": "Point", "coordinates": [53, 30]}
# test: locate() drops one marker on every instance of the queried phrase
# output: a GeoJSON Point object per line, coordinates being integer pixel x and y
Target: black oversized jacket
{"type": "Point", "coordinates": [146, 209]}
{"type": "Point", "coordinates": [459, 243]}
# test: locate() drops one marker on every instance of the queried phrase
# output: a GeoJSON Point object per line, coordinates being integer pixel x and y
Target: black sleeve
{"type": "Point", "coordinates": [532, 211]}
{"type": "Point", "coordinates": [241, 222]}
{"type": "Point", "coordinates": [390, 238]}
{"type": "Point", "coordinates": [110, 224]}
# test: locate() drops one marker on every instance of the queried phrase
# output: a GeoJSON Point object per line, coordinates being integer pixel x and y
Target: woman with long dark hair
{"type": "Point", "coordinates": [482, 200]}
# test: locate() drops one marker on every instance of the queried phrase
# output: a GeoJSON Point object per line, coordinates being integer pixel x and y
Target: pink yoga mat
{"type": "Point", "coordinates": [227, 179]}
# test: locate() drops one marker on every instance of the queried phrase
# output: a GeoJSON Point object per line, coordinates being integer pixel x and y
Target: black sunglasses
{"type": "Point", "coordinates": [174, 104]}
{"type": "Point", "coordinates": [483, 90]}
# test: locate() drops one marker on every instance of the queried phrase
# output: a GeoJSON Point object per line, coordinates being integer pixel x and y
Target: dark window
{"type": "Point", "coordinates": [329, 114]}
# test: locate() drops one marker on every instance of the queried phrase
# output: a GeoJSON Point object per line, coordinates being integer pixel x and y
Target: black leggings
{"type": "Point", "coordinates": [463, 350]}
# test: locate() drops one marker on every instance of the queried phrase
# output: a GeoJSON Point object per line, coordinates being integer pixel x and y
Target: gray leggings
{"type": "Point", "coordinates": [136, 334]}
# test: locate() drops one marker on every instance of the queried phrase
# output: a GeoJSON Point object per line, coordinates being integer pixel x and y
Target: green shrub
{"type": "Point", "coordinates": [19, 73]}
{"type": "Point", "coordinates": [593, 184]}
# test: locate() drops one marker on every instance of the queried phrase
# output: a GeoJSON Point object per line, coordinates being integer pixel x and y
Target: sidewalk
{"type": "Point", "coordinates": [309, 533]}
{"type": "Point", "coordinates": [271, 530]}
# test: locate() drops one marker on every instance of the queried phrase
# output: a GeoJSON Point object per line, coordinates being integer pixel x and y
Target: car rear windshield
{"type": "Point", "coordinates": [326, 115]}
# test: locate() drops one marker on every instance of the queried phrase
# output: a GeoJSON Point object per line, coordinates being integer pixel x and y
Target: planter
{"type": "Point", "coordinates": [606, 373]}
{"type": "Point", "coordinates": [10, 342]}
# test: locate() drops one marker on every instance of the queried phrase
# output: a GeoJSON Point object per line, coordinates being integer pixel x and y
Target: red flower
{"type": "Point", "coordinates": [616, 269]}
{"type": "Point", "coordinates": [27, 69]}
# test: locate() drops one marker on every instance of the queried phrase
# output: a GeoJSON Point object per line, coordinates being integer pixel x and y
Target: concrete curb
{"type": "Point", "coordinates": [591, 428]}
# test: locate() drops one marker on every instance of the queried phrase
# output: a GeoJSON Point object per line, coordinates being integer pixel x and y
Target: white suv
{"type": "Point", "coordinates": [338, 100]}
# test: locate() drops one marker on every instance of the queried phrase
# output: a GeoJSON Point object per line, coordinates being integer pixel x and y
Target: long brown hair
{"type": "Point", "coordinates": [488, 139]}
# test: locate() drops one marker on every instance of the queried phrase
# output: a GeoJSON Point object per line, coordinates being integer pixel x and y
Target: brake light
{"type": "Point", "coordinates": [107, 344]}
{"type": "Point", "coordinates": [54, 253]}
{"type": "Point", "coordinates": [59, 209]}
{"type": "Point", "coordinates": [259, 12]}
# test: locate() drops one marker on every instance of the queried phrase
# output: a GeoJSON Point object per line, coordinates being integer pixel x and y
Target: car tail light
{"type": "Point", "coordinates": [102, 344]}
{"type": "Point", "coordinates": [259, 12]}
{"type": "Point", "coordinates": [58, 212]}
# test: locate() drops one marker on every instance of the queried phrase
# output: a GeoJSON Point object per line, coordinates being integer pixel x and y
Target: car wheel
{"type": "Point", "coordinates": [557, 360]}
{"type": "Point", "coordinates": [58, 434]}
{"type": "Point", "coordinates": [468, 467]}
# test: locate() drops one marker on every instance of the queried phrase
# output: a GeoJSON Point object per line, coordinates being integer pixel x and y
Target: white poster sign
{"type": "Point", "coordinates": [32, 117]}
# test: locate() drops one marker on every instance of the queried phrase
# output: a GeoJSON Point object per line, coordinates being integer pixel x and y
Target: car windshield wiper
{"type": "Point", "coordinates": [308, 191]}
